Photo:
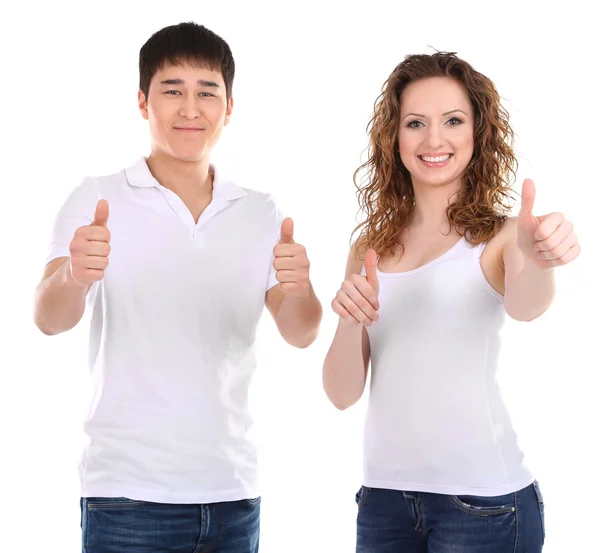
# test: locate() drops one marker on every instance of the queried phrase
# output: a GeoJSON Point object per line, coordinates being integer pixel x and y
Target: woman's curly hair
{"type": "Point", "coordinates": [386, 195]}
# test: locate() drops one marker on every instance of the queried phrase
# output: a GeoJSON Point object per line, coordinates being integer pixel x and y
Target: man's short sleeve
{"type": "Point", "coordinates": [77, 211]}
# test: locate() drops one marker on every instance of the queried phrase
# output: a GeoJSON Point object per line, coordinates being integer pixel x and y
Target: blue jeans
{"type": "Point", "coordinates": [119, 525]}
{"type": "Point", "coordinates": [391, 521]}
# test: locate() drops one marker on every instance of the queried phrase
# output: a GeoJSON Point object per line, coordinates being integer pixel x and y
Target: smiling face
{"type": "Point", "coordinates": [436, 131]}
{"type": "Point", "coordinates": [187, 108]}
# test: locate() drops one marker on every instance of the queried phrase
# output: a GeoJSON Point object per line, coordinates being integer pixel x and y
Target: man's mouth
{"type": "Point", "coordinates": [189, 129]}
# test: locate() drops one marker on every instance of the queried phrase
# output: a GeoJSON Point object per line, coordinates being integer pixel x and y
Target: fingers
{"type": "Point", "coordinates": [90, 247]}
{"type": "Point", "coordinates": [291, 263]}
{"type": "Point", "coordinates": [371, 268]}
{"type": "Point", "coordinates": [356, 300]}
{"type": "Point", "coordinates": [93, 233]}
{"type": "Point", "coordinates": [296, 282]}
{"type": "Point", "coordinates": [563, 230]}
{"type": "Point", "coordinates": [571, 254]}
{"type": "Point", "coordinates": [566, 252]}
{"type": "Point", "coordinates": [527, 198]}
{"type": "Point", "coordinates": [292, 276]}
{"type": "Point", "coordinates": [361, 311]}
{"type": "Point", "coordinates": [289, 250]}
{"type": "Point", "coordinates": [86, 269]}
{"type": "Point", "coordinates": [548, 226]}
{"type": "Point", "coordinates": [365, 289]}
{"type": "Point", "coordinates": [287, 231]}
{"type": "Point", "coordinates": [101, 249]}
{"type": "Point", "coordinates": [342, 312]}
{"type": "Point", "coordinates": [94, 262]}
{"type": "Point", "coordinates": [101, 214]}
{"type": "Point", "coordinates": [558, 244]}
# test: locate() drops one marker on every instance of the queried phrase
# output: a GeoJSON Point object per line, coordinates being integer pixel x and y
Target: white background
{"type": "Point", "coordinates": [307, 76]}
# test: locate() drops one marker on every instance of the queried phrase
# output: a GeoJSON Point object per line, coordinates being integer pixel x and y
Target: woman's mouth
{"type": "Point", "coordinates": [439, 160]}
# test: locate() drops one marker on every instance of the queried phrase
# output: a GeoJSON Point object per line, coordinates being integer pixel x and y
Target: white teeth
{"type": "Point", "coordinates": [436, 159]}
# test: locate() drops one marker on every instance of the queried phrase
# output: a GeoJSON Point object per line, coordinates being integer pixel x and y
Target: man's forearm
{"type": "Point", "coordinates": [59, 301]}
{"type": "Point", "coordinates": [298, 319]}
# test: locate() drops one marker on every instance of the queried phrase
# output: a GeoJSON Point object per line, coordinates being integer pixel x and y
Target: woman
{"type": "Point", "coordinates": [437, 265]}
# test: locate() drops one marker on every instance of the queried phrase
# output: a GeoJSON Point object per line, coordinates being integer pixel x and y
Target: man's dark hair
{"type": "Point", "coordinates": [185, 43]}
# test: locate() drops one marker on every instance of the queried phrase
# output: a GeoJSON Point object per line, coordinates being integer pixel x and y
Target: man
{"type": "Point", "coordinates": [177, 264]}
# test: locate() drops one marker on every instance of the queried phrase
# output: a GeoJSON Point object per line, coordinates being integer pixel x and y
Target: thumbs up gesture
{"type": "Point", "coordinates": [90, 248]}
{"type": "Point", "coordinates": [547, 240]}
{"type": "Point", "coordinates": [357, 300]}
{"type": "Point", "coordinates": [291, 263]}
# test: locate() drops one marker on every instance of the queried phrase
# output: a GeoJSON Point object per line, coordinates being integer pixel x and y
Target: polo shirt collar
{"type": "Point", "coordinates": [139, 175]}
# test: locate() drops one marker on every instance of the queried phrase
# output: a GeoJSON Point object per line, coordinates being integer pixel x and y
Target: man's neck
{"type": "Point", "coordinates": [185, 178]}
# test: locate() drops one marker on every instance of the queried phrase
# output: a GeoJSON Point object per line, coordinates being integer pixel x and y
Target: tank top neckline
{"type": "Point", "coordinates": [434, 261]}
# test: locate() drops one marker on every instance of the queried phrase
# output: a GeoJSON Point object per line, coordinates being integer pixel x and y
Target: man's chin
{"type": "Point", "coordinates": [191, 157]}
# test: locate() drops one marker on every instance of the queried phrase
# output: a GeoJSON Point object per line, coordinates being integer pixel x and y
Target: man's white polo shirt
{"type": "Point", "coordinates": [172, 338]}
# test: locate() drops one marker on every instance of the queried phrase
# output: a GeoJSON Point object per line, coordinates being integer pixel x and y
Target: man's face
{"type": "Point", "coordinates": [187, 108]}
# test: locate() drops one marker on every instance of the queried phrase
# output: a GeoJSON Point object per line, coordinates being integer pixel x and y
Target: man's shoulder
{"type": "Point", "coordinates": [258, 196]}
{"type": "Point", "coordinates": [252, 196]}
{"type": "Point", "coordinates": [258, 205]}
{"type": "Point", "coordinates": [96, 181]}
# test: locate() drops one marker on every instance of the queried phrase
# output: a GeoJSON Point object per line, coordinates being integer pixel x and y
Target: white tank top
{"type": "Point", "coordinates": [436, 421]}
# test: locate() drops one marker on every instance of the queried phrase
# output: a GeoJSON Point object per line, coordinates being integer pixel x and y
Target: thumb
{"type": "Point", "coordinates": [287, 231]}
{"type": "Point", "coordinates": [371, 268]}
{"type": "Point", "coordinates": [527, 198]}
{"type": "Point", "coordinates": [101, 214]}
